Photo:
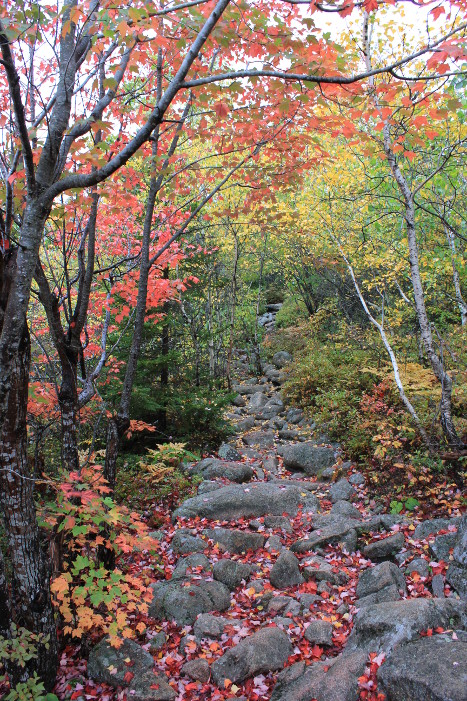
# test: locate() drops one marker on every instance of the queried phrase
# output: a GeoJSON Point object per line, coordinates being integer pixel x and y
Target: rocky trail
{"type": "Point", "coordinates": [279, 582]}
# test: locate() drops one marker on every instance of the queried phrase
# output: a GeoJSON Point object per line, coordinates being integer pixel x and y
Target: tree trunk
{"type": "Point", "coordinates": [436, 361]}
{"type": "Point", "coordinates": [232, 312]}
{"type": "Point", "coordinates": [164, 377]}
{"type": "Point", "coordinates": [256, 348]}
{"type": "Point", "coordinates": [68, 401]}
{"type": "Point", "coordinates": [29, 600]}
{"type": "Point", "coordinates": [455, 276]}
{"type": "Point", "coordinates": [211, 354]}
{"type": "Point", "coordinates": [437, 365]}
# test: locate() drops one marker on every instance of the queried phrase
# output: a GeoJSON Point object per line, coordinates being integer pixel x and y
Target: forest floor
{"type": "Point", "coordinates": [284, 580]}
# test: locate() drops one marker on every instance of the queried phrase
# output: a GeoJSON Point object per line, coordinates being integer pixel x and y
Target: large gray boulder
{"type": "Point", "coordinates": [424, 529]}
{"type": "Point", "coordinates": [184, 543]}
{"type": "Point", "coordinates": [182, 600]}
{"type": "Point", "coordinates": [257, 401]}
{"type": "Point", "coordinates": [209, 626]}
{"type": "Point", "coordinates": [109, 665]}
{"type": "Point", "coordinates": [238, 501]}
{"type": "Point", "coordinates": [245, 424]}
{"type": "Point", "coordinates": [442, 545]}
{"type": "Point", "coordinates": [383, 626]}
{"type": "Point", "coordinates": [196, 563]}
{"type": "Point", "coordinates": [431, 669]}
{"type": "Point", "coordinates": [457, 570]}
{"type": "Point", "coordinates": [212, 468]}
{"type": "Point", "coordinates": [386, 548]}
{"type": "Point", "coordinates": [338, 683]}
{"type": "Point", "coordinates": [317, 569]}
{"type": "Point", "coordinates": [259, 439]}
{"type": "Point", "coordinates": [266, 650]}
{"type": "Point", "coordinates": [228, 452]}
{"type": "Point", "coordinates": [381, 583]}
{"type": "Point", "coordinates": [150, 687]}
{"type": "Point", "coordinates": [281, 359]}
{"type": "Point", "coordinates": [235, 541]}
{"type": "Point", "coordinates": [307, 457]}
{"type": "Point", "coordinates": [341, 491]}
{"type": "Point", "coordinates": [329, 530]}
{"type": "Point", "coordinates": [247, 389]}
{"type": "Point", "coordinates": [286, 571]}
{"type": "Point", "coordinates": [231, 573]}
{"type": "Point", "coordinates": [345, 508]}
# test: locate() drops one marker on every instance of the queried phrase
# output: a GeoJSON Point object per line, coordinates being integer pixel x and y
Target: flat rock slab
{"type": "Point", "coordinates": [265, 651]}
{"type": "Point", "coordinates": [257, 401]}
{"type": "Point", "coordinates": [109, 665]}
{"type": "Point", "coordinates": [307, 457]}
{"type": "Point", "coordinates": [228, 452]}
{"type": "Point", "coordinates": [383, 626]}
{"type": "Point", "coordinates": [335, 529]}
{"type": "Point", "coordinates": [430, 669]}
{"type": "Point", "coordinates": [426, 528]}
{"type": "Point", "coordinates": [341, 490]}
{"type": "Point", "coordinates": [236, 501]}
{"type": "Point", "coordinates": [182, 600]}
{"type": "Point", "coordinates": [303, 484]}
{"type": "Point", "coordinates": [184, 543]}
{"type": "Point", "coordinates": [259, 439]}
{"type": "Point", "coordinates": [192, 564]}
{"type": "Point", "coordinates": [247, 389]}
{"type": "Point", "coordinates": [385, 548]}
{"type": "Point", "coordinates": [339, 683]}
{"type": "Point", "coordinates": [443, 545]}
{"type": "Point", "coordinates": [235, 541]}
{"type": "Point", "coordinates": [380, 577]}
{"type": "Point", "coordinates": [212, 468]}
{"type": "Point", "coordinates": [150, 687]}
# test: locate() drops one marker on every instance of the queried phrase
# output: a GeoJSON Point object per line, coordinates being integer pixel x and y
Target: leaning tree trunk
{"type": "Point", "coordinates": [29, 598]}
{"type": "Point", "coordinates": [455, 276]}
{"type": "Point", "coordinates": [436, 362]}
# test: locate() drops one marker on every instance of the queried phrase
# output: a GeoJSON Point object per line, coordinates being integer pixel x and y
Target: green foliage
{"type": "Point", "coordinates": [275, 293]}
{"type": "Point", "coordinates": [409, 504]}
{"type": "Point", "coordinates": [19, 649]}
{"type": "Point", "coordinates": [164, 471]}
{"type": "Point", "coordinates": [347, 388]}
{"type": "Point", "coordinates": [31, 690]}
{"type": "Point", "coordinates": [196, 415]}
{"type": "Point", "coordinates": [291, 313]}
{"type": "Point", "coordinates": [141, 480]}
{"type": "Point", "coordinates": [82, 519]}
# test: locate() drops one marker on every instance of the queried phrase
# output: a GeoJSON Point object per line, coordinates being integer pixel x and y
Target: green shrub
{"type": "Point", "coordinates": [20, 648]}
{"type": "Point", "coordinates": [292, 311]}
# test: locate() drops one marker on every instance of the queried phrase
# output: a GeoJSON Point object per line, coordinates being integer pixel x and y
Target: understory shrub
{"type": "Point", "coordinates": [292, 311]}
